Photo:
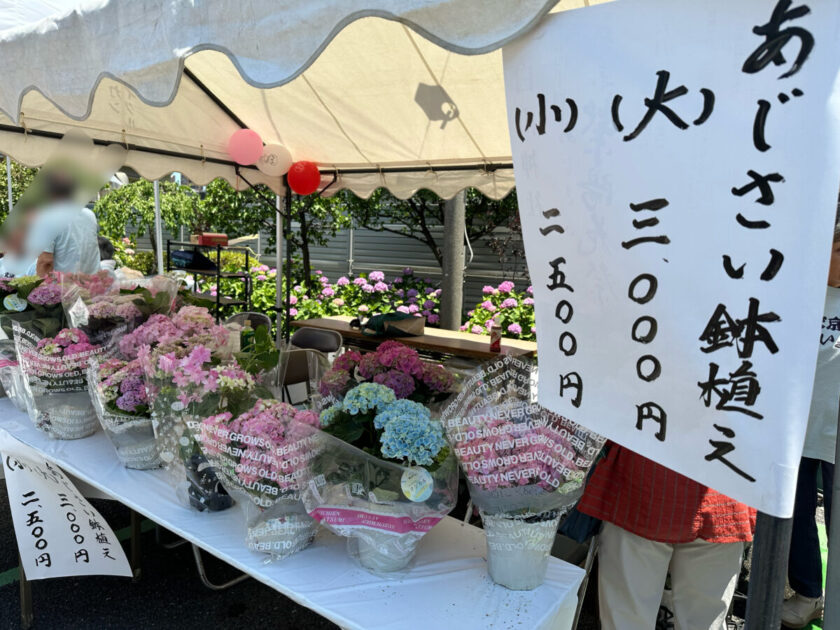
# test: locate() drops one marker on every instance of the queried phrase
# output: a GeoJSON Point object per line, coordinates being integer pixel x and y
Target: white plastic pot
{"type": "Point", "coordinates": [384, 552]}
{"type": "Point", "coordinates": [518, 547]}
{"type": "Point", "coordinates": [282, 536]}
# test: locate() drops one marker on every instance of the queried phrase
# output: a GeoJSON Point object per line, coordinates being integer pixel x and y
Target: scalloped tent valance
{"type": "Point", "coordinates": [402, 93]}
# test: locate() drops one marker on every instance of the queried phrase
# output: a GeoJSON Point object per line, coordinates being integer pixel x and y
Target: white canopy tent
{"type": "Point", "coordinates": [407, 94]}
{"type": "Point", "coordinates": [402, 94]}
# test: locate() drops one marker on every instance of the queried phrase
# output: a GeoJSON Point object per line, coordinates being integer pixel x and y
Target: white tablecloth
{"type": "Point", "coordinates": [448, 586]}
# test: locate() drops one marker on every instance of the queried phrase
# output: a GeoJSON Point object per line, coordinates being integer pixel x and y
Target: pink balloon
{"type": "Point", "coordinates": [245, 147]}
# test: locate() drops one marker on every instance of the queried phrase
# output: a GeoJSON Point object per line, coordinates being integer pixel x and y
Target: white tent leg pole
{"type": "Point", "coordinates": [9, 181]}
{"type": "Point", "coordinates": [278, 265]}
{"type": "Point", "coordinates": [452, 302]}
{"type": "Point", "coordinates": [158, 229]}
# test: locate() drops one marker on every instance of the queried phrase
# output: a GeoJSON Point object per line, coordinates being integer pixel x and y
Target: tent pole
{"type": "Point", "coordinates": [452, 301]}
{"type": "Point", "coordinates": [159, 229]}
{"type": "Point", "coordinates": [278, 266]}
{"type": "Point", "coordinates": [832, 578]}
{"type": "Point", "coordinates": [768, 572]}
{"type": "Point", "coordinates": [9, 181]}
{"type": "Point", "coordinates": [288, 231]}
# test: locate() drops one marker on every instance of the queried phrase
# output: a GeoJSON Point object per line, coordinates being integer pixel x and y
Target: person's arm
{"type": "Point", "coordinates": [45, 264]}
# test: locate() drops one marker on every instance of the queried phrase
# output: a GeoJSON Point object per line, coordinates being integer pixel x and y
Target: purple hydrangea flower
{"type": "Point", "coordinates": [528, 301]}
{"type": "Point", "coordinates": [376, 276]}
{"type": "Point", "coordinates": [359, 281]}
{"type": "Point", "coordinates": [506, 286]}
{"type": "Point", "coordinates": [380, 286]}
{"type": "Point", "coordinates": [342, 281]}
{"type": "Point", "coordinates": [510, 303]}
{"type": "Point", "coordinates": [515, 329]}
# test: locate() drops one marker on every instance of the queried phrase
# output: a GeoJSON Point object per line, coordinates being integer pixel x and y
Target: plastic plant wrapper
{"type": "Point", "coordinates": [190, 376]}
{"type": "Point", "coordinates": [35, 304]}
{"type": "Point", "coordinates": [99, 306]}
{"type": "Point", "coordinates": [261, 458]}
{"type": "Point", "coordinates": [54, 373]}
{"type": "Point", "coordinates": [524, 465]}
{"type": "Point", "coordinates": [11, 377]}
{"type": "Point", "coordinates": [117, 389]}
{"type": "Point", "coordinates": [382, 508]}
{"type": "Point", "coordinates": [385, 475]}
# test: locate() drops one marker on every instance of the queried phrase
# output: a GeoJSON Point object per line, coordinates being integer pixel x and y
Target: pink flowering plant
{"type": "Point", "coordinates": [515, 454]}
{"type": "Point", "coordinates": [513, 310]}
{"type": "Point", "coordinates": [191, 375]}
{"type": "Point", "coordinates": [56, 370]}
{"type": "Point", "coordinates": [123, 388]}
{"type": "Point", "coordinates": [261, 457]}
{"type": "Point", "coordinates": [35, 303]}
{"type": "Point", "coordinates": [118, 390]}
{"type": "Point", "coordinates": [394, 365]}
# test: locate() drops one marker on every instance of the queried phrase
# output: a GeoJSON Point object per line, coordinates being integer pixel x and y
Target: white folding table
{"type": "Point", "coordinates": [447, 586]}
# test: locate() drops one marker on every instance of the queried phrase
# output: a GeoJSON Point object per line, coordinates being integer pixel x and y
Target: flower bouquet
{"type": "Point", "coordinates": [118, 391]}
{"type": "Point", "coordinates": [55, 380]}
{"type": "Point", "coordinates": [384, 475]}
{"type": "Point", "coordinates": [261, 457]}
{"type": "Point", "coordinates": [393, 364]}
{"type": "Point", "coordinates": [524, 465]}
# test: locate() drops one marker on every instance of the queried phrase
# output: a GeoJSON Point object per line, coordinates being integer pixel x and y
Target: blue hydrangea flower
{"type": "Point", "coordinates": [399, 409]}
{"type": "Point", "coordinates": [413, 439]}
{"type": "Point", "coordinates": [328, 415]}
{"type": "Point", "coordinates": [367, 397]}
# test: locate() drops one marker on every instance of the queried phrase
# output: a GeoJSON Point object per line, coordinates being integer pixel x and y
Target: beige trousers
{"type": "Point", "coordinates": [631, 578]}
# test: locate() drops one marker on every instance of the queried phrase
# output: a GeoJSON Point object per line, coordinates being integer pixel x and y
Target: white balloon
{"type": "Point", "coordinates": [275, 161]}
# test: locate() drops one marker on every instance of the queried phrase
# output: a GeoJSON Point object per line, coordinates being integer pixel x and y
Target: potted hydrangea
{"type": "Point", "coordinates": [261, 458]}
{"type": "Point", "coordinates": [118, 390]}
{"type": "Point", "coordinates": [525, 466]}
{"type": "Point", "coordinates": [384, 477]}
{"type": "Point", "coordinates": [55, 377]}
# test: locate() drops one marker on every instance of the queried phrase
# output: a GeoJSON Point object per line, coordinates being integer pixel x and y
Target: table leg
{"type": "Point", "coordinates": [135, 545]}
{"type": "Point", "coordinates": [199, 564]}
{"type": "Point", "coordinates": [26, 614]}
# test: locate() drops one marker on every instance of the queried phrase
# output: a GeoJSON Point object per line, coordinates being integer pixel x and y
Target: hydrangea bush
{"type": "Point", "coordinates": [394, 365]}
{"type": "Point", "coordinates": [372, 418]}
{"type": "Point", "coordinates": [513, 310]}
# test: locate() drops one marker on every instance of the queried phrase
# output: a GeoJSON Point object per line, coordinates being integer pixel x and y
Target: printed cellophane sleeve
{"type": "Point", "coordinates": [516, 455]}
{"type": "Point", "coordinates": [54, 371]}
{"type": "Point", "coordinates": [382, 508]}
{"type": "Point", "coordinates": [261, 458]}
{"type": "Point", "coordinates": [131, 433]}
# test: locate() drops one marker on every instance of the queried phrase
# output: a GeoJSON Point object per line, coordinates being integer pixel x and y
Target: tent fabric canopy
{"type": "Point", "coordinates": [405, 94]}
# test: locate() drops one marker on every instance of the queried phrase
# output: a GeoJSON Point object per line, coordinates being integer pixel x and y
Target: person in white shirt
{"type": "Point", "coordinates": [805, 562]}
{"type": "Point", "coordinates": [64, 235]}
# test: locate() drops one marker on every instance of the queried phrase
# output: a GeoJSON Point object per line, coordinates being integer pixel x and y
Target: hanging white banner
{"type": "Point", "coordinates": [59, 533]}
{"type": "Point", "coordinates": [677, 173]}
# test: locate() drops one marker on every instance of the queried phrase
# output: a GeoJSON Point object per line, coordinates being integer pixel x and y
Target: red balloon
{"type": "Point", "coordinates": [304, 177]}
{"type": "Point", "coordinates": [245, 147]}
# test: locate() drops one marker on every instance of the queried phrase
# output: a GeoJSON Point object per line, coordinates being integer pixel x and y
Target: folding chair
{"type": "Point", "coordinates": [326, 341]}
